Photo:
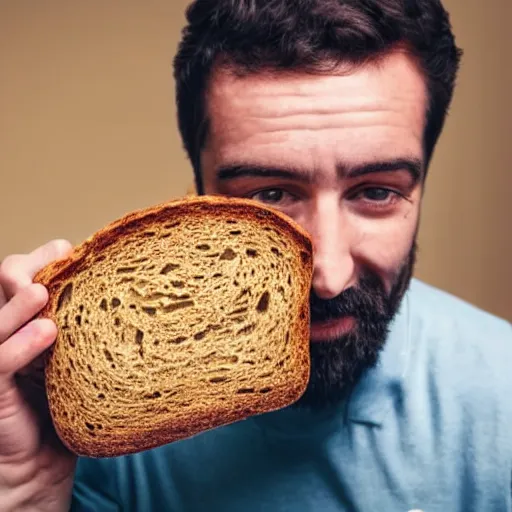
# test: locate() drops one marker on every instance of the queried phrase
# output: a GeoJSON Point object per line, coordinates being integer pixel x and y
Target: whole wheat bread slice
{"type": "Point", "coordinates": [174, 320]}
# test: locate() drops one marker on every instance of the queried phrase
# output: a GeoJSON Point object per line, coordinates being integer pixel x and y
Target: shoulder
{"type": "Point", "coordinates": [460, 344]}
{"type": "Point", "coordinates": [439, 313]}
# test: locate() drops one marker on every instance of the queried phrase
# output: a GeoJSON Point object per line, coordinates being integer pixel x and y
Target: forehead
{"type": "Point", "coordinates": [381, 104]}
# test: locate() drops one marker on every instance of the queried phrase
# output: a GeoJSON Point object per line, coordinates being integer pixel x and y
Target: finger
{"type": "Point", "coordinates": [17, 272]}
{"type": "Point", "coordinates": [21, 308]}
{"type": "Point", "coordinates": [3, 298]}
{"type": "Point", "coordinates": [42, 256]}
{"type": "Point", "coordinates": [25, 345]}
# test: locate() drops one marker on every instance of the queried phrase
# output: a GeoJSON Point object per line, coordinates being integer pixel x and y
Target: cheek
{"type": "Point", "coordinates": [384, 245]}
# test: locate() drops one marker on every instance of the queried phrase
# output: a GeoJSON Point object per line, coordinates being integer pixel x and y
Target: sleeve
{"type": "Point", "coordinates": [95, 487]}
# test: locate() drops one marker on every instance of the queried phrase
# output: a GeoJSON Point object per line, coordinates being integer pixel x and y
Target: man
{"type": "Point", "coordinates": [328, 110]}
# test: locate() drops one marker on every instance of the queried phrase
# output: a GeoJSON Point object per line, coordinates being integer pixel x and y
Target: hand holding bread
{"type": "Point", "coordinates": [30, 454]}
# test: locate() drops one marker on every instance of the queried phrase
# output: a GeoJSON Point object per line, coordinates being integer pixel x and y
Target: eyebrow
{"type": "Point", "coordinates": [412, 165]}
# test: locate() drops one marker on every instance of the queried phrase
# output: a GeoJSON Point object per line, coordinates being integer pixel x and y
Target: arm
{"type": "Point", "coordinates": [36, 471]}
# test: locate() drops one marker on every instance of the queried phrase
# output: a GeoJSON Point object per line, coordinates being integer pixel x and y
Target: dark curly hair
{"type": "Point", "coordinates": [312, 35]}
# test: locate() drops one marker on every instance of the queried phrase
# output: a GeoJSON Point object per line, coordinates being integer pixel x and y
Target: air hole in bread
{"type": "Point", "coordinates": [103, 304]}
{"type": "Point", "coordinates": [247, 329]}
{"type": "Point", "coordinates": [263, 303]}
{"type": "Point", "coordinates": [238, 311]}
{"type": "Point", "coordinates": [108, 355]}
{"type": "Point", "coordinates": [235, 232]}
{"type": "Point", "coordinates": [231, 221]}
{"type": "Point", "coordinates": [178, 284]}
{"type": "Point", "coordinates": [242, 391]}
{"type": "Point", "coordinates": [132, 306]}
{"type": "Point", "coordinates": [179, 305]}
{"type": "Point", "coordinates": [169, 268]}
{"type": "Point", "coordinates": [243, 293]}
{"type": "Point", "coordinates": [117, 322]}
{"type": "Point", "coordinates": [139, 336]}
{"type": "Point", "coordinates": [89, 367]}
{"type": "Point", "coordinates": [90, 426]}
{"type": "Point", "coordinates": [252, 253]}
{"type": "Point", "coordinates": [101, 396]}
{"type": "Point", "coordinates": [148, 234]}
{"type": "Point", "coordinates": [271, 330]}
{"type": "Point", "coordinates": [179, 340]}
{"type": "Point", "coordinates": [126, 270]}
{"type": "Point", "coordinates": [265, 390]}
{"type": "Point", "coordinates": [217, 274]}
{"type": "Point", "coordinates": [72, 364]}
{"type": "Point", "coordinates": [289, 280]}
{"type": "Point", "coordinates": [78, 320]}
{"type": "Point", "coordinates": [141, 260]}
{"type": "Point", "coordinates": [156, 394]}
{"type": "Point", "coordinates": [200, 335]}
{"type": "Point", "coordinates": [116, 302]}
{"type": "Point", "coordinates": [276, 251]}
{"type": "Point", "coordinates": [203, 247]}
{"type": "Point", "coordinates": [156, 343]}
{"type": "Point", "coordinates": [198, 278]}
{"type": "Point", "coordinates": [287, 337]}
{"type": "Point", "coordinates": [218, 379]}
{"type": "Point", "coordinates": [70, 340]}
{"type": "Point", "coordinates": [249, 362]}
{"type": "Point", "coordinates": [149, 311]}
{"type": "Point", "coordinates": [228, 255]}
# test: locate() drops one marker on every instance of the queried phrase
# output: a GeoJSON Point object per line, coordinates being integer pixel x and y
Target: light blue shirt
{"type": "Point", "coordinates": [429, 428]}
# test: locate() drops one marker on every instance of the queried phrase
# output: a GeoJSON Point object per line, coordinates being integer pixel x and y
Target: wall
{"type": "Point", "coordinates": [87, 133]}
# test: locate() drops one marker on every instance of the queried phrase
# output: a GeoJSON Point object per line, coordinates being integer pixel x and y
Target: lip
{"type": "Point", "coordinates": [331, 329]}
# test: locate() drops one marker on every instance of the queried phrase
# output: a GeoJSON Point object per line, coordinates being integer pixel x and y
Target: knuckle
{"type": "Point", "coordinates": [37, 294]}
{"type": "Point", "coordinates": [36, 330]}
{"type": "Point", "coordinates": [9, 268]}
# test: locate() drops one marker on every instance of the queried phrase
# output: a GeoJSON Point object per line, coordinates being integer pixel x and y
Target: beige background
{"type": "Point", "coordinates": [88, 132]}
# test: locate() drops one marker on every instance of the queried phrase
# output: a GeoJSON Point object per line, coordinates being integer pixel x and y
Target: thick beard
{"type": "Point", "coordinates": [337, 365]}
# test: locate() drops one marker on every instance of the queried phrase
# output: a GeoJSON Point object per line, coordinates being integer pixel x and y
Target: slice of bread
{"type": "Point", "coordinates": [174, 320]}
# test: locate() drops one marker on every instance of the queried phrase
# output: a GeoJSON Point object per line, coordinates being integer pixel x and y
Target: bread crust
{"type": "Point", "coordinates": [55, 276]}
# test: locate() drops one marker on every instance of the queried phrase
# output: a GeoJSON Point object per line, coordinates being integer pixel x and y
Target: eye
{"type": "Point", "coordinates": [377, 194]}
{"type": "Point", "coordinates": [378, 200]}
{"type": "Point", "coordinates": [272, 196]}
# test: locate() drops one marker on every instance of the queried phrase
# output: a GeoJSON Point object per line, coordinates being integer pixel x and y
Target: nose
{"type": "Point", "coordinates": [334, 266]}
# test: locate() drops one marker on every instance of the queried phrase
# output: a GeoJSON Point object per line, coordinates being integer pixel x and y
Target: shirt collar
{"type": "Point", "coordinates": [375, 394]}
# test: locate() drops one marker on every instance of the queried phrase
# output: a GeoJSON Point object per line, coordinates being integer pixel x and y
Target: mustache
{"type": "Point", "coordinates": [365, 301]}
